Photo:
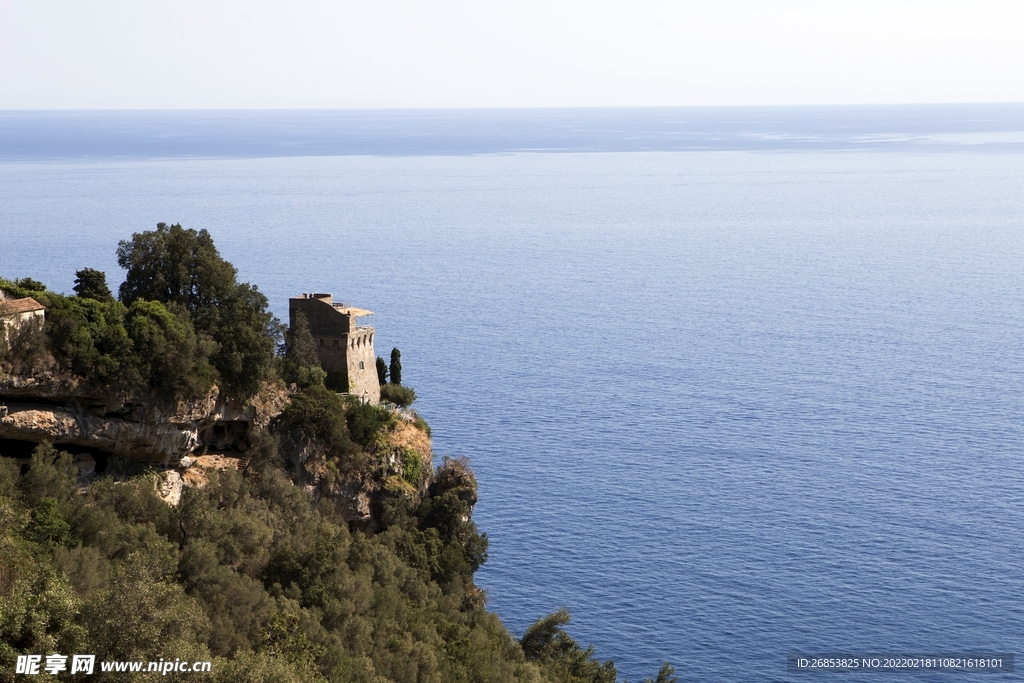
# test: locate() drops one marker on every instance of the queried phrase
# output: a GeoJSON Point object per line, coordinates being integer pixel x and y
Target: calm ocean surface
{"type": "Point", "coordinates": [735, 383]}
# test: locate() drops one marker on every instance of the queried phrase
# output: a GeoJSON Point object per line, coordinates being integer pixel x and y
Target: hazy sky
{"type": "Point", "coordinates": [447, 53]}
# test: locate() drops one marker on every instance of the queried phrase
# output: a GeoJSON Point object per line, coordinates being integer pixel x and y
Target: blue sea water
{"type": "Point", "coordinates": [735, 383]}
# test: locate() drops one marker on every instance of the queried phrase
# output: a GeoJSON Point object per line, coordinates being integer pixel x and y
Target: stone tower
{"type": "Point", "coordinates": [345, 349]}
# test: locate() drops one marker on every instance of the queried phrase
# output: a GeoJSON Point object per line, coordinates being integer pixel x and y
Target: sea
{"type": "Point", "coordinates": [736, 383]}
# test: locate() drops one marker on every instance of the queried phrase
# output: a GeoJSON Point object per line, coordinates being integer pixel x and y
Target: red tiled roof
{"type": "Point", "coordinates": [26, 305]}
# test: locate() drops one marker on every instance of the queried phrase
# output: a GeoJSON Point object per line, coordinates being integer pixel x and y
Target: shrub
{"type": "Point", "coordinates": [455, 475]}
{"type": "Point", "coordinates": [89, 338]}
{"type": "Point", "coordinates": [398, 394]}
{"type": "Point", "coordinates": [412, 465]}
{"type": "Point", "coordinates": [367, 424]}
{"type": "Point", "coordinates": [421, 424]}
{"type": "Point", "coordinates": [320, 412]}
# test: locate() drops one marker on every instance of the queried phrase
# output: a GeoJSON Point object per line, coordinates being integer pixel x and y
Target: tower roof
{"type": "Point", "coordinates": [351, 310]}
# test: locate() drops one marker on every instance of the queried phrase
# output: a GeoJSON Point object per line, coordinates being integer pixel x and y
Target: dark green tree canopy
{"type": "Point", "coordinates": [174, 264]}
{"type": "Point", "coordinates": [541, 635]}
{"type": "Point", "coordinates": [398, 394]}
{"type": "Point", "coordinates": [301, 345]}
{"type": "Point", "coordinates": [30, 284]}
{"type": "Point", "coordinates": [172, 361]}
{"type": "Point", "coordinates": [182, 267]}
{"type": "Point", "coordinates": [89, 338]}
{"type": "Point", "coordinates": [301, 362]}
{"type": "Point", "coordinates": [92, 284]}
{"type": "Point", "coordinates": [395, 369]}
{"type": "Point", "coordinates": [666, 674]}
{"type": "Point", "coordinates": [246, 335]}
{"type": "Point", "coordinates": [382, 371]}
{"type": "Point", "coordinates": [546, 641]}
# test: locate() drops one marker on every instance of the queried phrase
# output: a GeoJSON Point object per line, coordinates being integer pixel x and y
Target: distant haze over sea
{"type": "Point", "coordinates": [735, 383]}
{"type": "Point", "coordinates": [275, 133]}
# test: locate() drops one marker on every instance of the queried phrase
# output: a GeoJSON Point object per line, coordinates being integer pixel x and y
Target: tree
{"type": "Point", "coordinates": [545, 641]}
{"type": "Point", "coordinates": [395, 368]}
{"type": "Point", "coordinates": [246, 335]}
{"type": "Point", "coordinates": [172, 361]}
{"type": "Point", "coordinates": [666, 674]}
{"type": "Point", "coordinates": [301, 346]}
{"type": "Point", "coordinates": [89, 338]}
{"type": "Point", "coordinates": [92, 284]}
{"type": "Point", "coordinates": [382, 371]}
{"type": "Point", "coordinates": [540, 636]}
{"type": "Point", "coordinates": [302, 364]}
{"type": "Point", "coordinates": [30, 284]}
{"type": "Point", "coordinates": [24, 346]}
{"type": "Point", "coordinates": [48, 525]}
{"type": "Point", "coordinates": [51, 474]}
{"type": "Point", "coordinates": [320, 413]}
{"type": "Point", "coordinates": [174, 265]}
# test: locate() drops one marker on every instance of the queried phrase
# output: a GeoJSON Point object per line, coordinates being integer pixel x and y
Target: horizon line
{"type": "Point", "coordinates": [55, 110]}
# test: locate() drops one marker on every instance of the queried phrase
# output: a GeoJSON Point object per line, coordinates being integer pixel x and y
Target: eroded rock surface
{"type": "Point", "coordinates": [53, 410]}
{"type": "Point", "coordinates": [188, 441]}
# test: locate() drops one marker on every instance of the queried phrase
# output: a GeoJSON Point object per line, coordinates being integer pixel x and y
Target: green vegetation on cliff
{"type": "Point", "coordinates": [182, 323]}
{"type": "Point", "coordinates": [146, 347]}
{"type": "Point", "coordinates": [261, 569]}
{"type": "Point", "coordinates": [248, 573]}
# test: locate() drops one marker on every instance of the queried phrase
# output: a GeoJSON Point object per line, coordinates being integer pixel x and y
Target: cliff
{"type": "Point", "coordinates": [56, 409]}
{"type": "Point", "coordinates": [182, 440]}
{"type": "Point", "coordinates": [399, 467]}
{"type": "Point", "coordinates": [144, 515]}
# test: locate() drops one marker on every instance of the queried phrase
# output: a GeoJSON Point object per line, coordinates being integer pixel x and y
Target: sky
{"type": "Point", "coordinates": [152, 54]}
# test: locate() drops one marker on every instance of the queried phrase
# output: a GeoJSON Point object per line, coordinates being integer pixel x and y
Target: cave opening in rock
{"type": "Point", "coordinates": [225, 436]}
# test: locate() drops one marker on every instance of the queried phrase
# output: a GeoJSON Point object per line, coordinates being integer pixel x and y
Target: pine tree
{"type": "Point", "coordinates": [382, 371]}
{"type": "Point", "coordinates": [92, 284]}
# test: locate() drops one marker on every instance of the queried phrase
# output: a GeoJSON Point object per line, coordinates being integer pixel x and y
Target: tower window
{"type": "Point", "coordinates": [360, 365]}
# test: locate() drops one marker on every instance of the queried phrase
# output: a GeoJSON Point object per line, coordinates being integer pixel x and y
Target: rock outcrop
{"type": "Point", "coordinates": [59, 411]}
{"type": "Point", "coordinates": [175, 440]}
{"type": "Point", "coordinates": [402, 467]}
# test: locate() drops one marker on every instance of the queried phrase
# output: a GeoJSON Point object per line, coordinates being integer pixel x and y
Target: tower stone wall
{"type": "Point", "coordinates": [345, 349]}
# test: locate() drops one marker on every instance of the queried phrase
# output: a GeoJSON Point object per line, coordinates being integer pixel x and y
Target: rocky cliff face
{"type": "Point", "coordinates": [176, 439]}
{"type": "Point", "coordinates": [58, 410]}
{"type": "Point", "coordinates": [401, 468]}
